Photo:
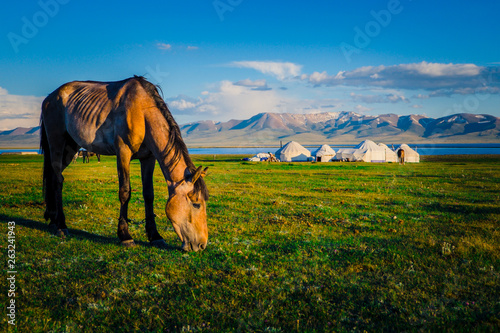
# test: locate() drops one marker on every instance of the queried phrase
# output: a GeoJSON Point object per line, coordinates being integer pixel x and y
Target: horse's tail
{"type": "Point", "coordinates": [45, 150]}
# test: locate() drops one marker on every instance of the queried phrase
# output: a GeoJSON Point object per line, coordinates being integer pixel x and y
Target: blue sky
{"type": "Point", "coordinates": [224, 59]}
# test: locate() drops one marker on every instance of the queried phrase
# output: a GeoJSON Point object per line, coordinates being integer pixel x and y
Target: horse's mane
{"type": "Point", "coordinates": [176, 144]}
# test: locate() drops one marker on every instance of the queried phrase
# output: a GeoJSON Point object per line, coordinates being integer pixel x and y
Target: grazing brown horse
{"type": "Point", "coordinates": [128, 119]}
{"type": "Point", "coordinates": [401, 156]}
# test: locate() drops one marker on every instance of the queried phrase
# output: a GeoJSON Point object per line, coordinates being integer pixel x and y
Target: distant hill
{"type": "Point", "coordinates": [20, 137]}
{"type": "Point", "coordinates": [22, 131]}
{"type": "Point", "coordinates": [329, 127]}
{"type": "Point", "coordinates": [343, 127]}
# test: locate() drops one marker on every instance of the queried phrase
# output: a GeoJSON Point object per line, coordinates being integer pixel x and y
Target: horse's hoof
{"type": "Point", "coordinates": [159, 243]}
{"type": "Point", "coordinates": [128, 243]}
{"type": "Point", "coordinates": [62, 233]}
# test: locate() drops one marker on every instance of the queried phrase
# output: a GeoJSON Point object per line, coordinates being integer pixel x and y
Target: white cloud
{"type": "Point", "coordinates": [19, 111]}
{"type": "Point", "coordinates": [361, 109]}
{"type": "Point", "coordinates": [439, 70]}
{"type": "Point", "coordinates": [182, 104]}
{"type": "Point", "coordinates": [317, 78]}
{"type": "Point", "coordinates": [280, 70]}
{"type": "Point", "coordinates": [229, 100]}
{"type": "Point", "coordinates": [450, 78]}
{"type": "Point", "coordinates": [386, 85]}
{"type": "Point", "coordinates": [244, 99]}
{"type": "Point", "coordinates": [250, 83]}
{"type": "Point", "coordinates": [381, 98]}
{"type": "Point", "coordinates": [393, 98]}
{"type": "Point", "coordinates": [255, 85]}
{"type": "Point", "coordinates": [169, 47]}
{"type": "Point", "coordinates": [163, 46]}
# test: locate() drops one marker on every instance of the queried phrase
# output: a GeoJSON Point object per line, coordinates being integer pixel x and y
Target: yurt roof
{"type": "Point", "coordinates": [368, 144]}
{"type": "Point", "coordinates": [293, 148]}
{"type": "Point", "coordinates": [406, 148]}
{"type": "Point", "coordinates": [384, 146]}
{"type": "Point", "coordinates": [324, 150]}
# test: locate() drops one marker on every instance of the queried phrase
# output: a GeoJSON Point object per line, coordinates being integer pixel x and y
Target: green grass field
{"type": "Point", "coordinates": [308, 247]}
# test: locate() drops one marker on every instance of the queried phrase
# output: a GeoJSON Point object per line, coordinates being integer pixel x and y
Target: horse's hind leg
{"type": "Point", "coordinates": [147, 170]}
{"type": "Point", "coordinates": [61, 156]}
{"type": "Point", "coordinates": [50, 189]}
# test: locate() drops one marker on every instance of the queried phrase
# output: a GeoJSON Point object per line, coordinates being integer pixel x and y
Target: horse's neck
{"type": "Point", "coordinates": [173, 172]}
{"type": "Point", "coordinates": [164, 151]}
{"type": "Point", "coordinates": [179, 171]}
{"type": "Point", "coordinates": [173, 164]}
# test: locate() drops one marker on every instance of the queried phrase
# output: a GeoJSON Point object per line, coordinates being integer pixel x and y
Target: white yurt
{"type": "Point", "coordinates": [369, 151]}
{"type": "Point", "coordinates": [390, 155]}
{"type": "Point", "coordinates": [259, 157]}
{"type": "Point", "coordinates": [293, 152]}
{"type": "Point", "coordinates": [344, 154]}
{"type": "Point", "coordinates": [411, 156]}
{"type": "Point", "coordinates": [325, 153]}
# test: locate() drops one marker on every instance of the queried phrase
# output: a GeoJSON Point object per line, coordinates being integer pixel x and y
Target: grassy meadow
{"type": "Point", "coordinates": [307, 247]}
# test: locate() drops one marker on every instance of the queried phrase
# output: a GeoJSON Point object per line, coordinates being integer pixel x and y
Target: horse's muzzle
{"type": "Point", "coordinates": [195, 247]}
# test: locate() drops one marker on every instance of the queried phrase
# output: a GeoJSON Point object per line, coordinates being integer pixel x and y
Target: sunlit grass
{"type": "Point", "coordinates": [302, 246]}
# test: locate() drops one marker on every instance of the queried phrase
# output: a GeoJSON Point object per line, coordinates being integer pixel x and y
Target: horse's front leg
{"type": "Point", "coordinates": [123, 163]}
{"type": "Point", "coordinates": [147, 170]}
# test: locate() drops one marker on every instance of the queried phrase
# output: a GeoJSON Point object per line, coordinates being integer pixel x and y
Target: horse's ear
{"type": "Point", "coordinates": [199, 173]}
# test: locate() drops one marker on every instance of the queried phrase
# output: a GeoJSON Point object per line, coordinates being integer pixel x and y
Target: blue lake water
{"type": "Point", "coordinates": [427, 149]}
{"type": "Point", "coordinates": [422, 149]}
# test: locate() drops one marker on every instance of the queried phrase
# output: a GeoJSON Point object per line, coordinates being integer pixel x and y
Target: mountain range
{"type": "Point", "coordinates": [346, 127]}
{"type": "Point", "coordinates": [343, 128]}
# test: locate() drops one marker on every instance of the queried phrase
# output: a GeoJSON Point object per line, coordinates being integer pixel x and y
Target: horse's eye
{"type": "Point", "coordinates": [197, 206]}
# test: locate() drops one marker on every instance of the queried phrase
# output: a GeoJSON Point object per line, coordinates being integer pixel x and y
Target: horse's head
{"type": "Point", "coordinates": [186, 209]}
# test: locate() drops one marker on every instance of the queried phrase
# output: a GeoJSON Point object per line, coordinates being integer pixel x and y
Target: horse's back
{"type": "Point", "coordinates": [92, 112]}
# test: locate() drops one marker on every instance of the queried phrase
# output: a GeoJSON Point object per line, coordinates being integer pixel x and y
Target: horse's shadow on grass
{"type": "Point", "coordinates": [75, 233]}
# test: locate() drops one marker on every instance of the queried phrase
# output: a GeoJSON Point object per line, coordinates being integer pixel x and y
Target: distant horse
{"type": "Point", "coordinates": [401, 156]}
{"type": "Point", "coordinates": [86, 155]}
{"type": "Point", "coordinates": [128, 119]}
